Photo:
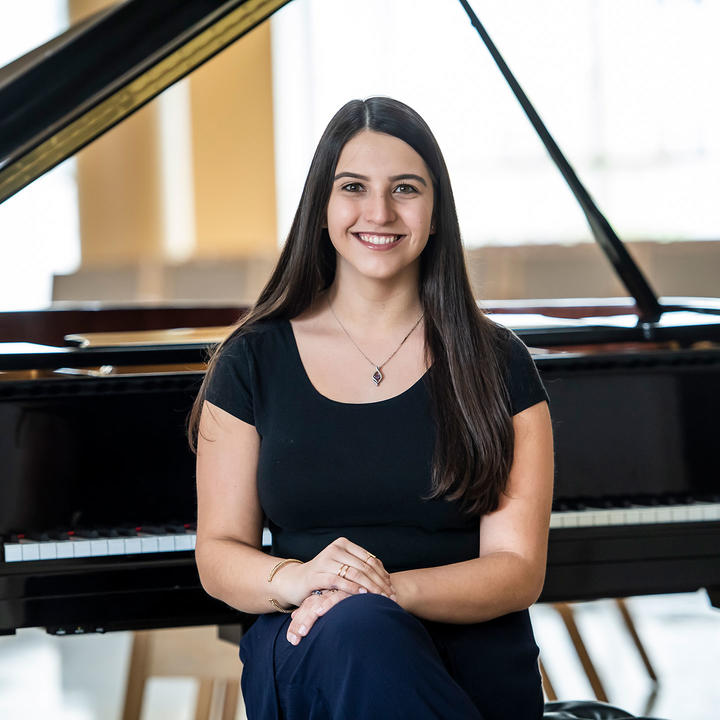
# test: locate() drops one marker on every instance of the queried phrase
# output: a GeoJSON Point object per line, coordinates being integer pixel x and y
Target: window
{"type": "Point", "coordinates": [38, 226]}
{"type": "Point", "coordinates": [628, 91]}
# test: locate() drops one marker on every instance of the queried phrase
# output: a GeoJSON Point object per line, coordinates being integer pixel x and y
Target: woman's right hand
{"type": "Point", "coordinates": [364, 573]}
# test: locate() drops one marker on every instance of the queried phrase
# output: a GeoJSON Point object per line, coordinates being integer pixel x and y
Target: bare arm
{"type": "Point", "coordinates": [510, 571]}
{"type": "Point", "coordinates": [231, 564]}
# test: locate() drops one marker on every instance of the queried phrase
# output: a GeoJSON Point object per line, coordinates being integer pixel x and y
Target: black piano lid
{"type": "Point", "coordinates": [119, 59]}
{"type": "Point", "coordinates": [112, 64]}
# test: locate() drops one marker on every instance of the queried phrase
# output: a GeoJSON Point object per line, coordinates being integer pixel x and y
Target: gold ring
{"type": "Point", "coordinates": [343, 571]}
{"type": "Point", "coordinates": [370, 555]}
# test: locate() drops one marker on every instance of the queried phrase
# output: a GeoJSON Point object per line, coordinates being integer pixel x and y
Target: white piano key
{"type": "Point", "coordinates": [649, 515]}
{"type": "Point", "coordinates": [695, 513]}
{"type": "Point", "coordinates": [13, 552]}
{"type": "Point", "coordinates": [133, 546]}
{"type": "Point", "coordinates": [64, 549]}
{"type": "Point", "coordinates": [81, 548]}
{"type": "Point", "coordinates": [632, 517]}
{"type": "Point", "coordinates": [166, 543]}
{"type": "Point", "coordinates": [183, 542]}
{"type": "Point", "coordinates": [149, 544]}
{"type": "Point", "coordinates": [116, 546]}
{"type": "Point", "coordinates": [30, 551]}
{"type": "Point", "coordinates": [599, 518]}
{"type": "Point", "coordinates": [711, 511]}
{"type": "Point", "coordinates": [192, 540]}
{"type": "Point", "coordinates": [48, 551]}
{"type": "Point", "coordinates": [596, 518]}
{"type": "Point", "coordinates": [570, 519]}
{"type": "Point", "coordinates": [266, 537]}
{"type": "Point", "coordinates": [99, 548]}
{"type": "Point", "coordinates": [664, 514]}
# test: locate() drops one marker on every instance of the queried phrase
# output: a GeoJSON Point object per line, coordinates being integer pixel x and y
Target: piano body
{"type": "Point", "coordinates": [97, 492]}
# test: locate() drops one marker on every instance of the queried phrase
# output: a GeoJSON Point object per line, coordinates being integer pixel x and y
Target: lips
{"type": "Point", "coordinates": [378, 241]}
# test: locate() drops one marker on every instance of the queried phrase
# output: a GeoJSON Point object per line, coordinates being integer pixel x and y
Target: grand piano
{"type": "Point", "coordinates": [97, 493]}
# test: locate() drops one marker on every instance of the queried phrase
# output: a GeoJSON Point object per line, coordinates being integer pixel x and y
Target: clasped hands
{"type": "Point", "coordinates": [338, 571]}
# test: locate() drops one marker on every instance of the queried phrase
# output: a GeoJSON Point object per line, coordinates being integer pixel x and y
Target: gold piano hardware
{"type": "Point", "coordinates": [114, 371]}
{"type": "Point", "coordinates": [138, 338]}
{"type": "Point", "coordinates": [98, 119]}
{"type": "Point", "coordinates": [125, 370]}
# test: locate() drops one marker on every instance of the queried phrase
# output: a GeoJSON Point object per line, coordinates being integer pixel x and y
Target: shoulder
{"type": "Point", "coordinates": [252, 337]}
{"type": "Point", "coordinates": [525, 388]}
{"type": "Point", "coordinates": [239, 365]}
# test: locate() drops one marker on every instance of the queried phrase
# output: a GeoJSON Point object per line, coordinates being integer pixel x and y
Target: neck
{"type": "Point", "coordinates": [374, 309]}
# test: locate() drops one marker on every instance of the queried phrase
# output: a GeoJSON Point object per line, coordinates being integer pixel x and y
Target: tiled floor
{"type": "Point", "coordinates": [83, 677]}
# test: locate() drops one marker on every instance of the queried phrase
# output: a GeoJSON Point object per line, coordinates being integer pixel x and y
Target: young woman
{"type": "Point", "coordinates": [395, 440]}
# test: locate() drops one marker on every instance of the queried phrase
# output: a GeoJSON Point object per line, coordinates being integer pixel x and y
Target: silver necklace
{"type": "Point", "coordinates": [377, 376]}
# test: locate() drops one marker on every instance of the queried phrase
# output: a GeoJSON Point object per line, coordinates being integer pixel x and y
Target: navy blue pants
{"type": "Point", "coordinates": [367, 658]}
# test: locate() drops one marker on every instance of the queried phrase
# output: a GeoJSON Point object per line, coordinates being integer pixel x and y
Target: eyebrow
{"type": "Point", "coordinates": [392, 178]}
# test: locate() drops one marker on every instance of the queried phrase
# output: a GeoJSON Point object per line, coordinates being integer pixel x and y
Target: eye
{"type": "Point", "coordinates": [405, 189]}
{"type": "Point", "coordinates": [352, 187]}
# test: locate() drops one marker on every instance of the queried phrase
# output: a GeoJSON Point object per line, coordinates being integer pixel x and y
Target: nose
{"type": "Point", "coordinates": [379, 208]}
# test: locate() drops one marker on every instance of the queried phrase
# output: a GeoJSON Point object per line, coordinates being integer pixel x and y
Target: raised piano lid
{"type": "Point", "coordinates": [116, 61]}
{"type": "Point", "coordinates": [112, 64]}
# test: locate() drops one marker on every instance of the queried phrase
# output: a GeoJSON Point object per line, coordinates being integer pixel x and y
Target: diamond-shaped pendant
{"type": "Point", "coordinates": [377, 376]}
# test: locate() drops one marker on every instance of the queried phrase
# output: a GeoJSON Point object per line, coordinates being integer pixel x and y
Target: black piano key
{"type": "Point", "coordinates": [108, 532]}
{"type": "Point", "coordinates": [177, 528]}
{"type": "Point", "coordinates": [154, 529]}
{"type": "Point", "coordinates": [39, 536]}
{"type": "Point", "coordinates": [87, 533]}
{"type": "Point", "coordinates": [59, 535]}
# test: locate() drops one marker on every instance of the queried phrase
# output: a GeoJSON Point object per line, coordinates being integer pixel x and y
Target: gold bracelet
{"type": "Point", "coordinates": [274, 603]}
{"type": "Point", "coordinates": [277, 567]}
{"type": "Point", "coordinates": [282, 563]}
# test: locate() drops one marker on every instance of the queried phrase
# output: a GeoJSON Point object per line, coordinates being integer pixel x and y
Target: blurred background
{"type": "Point", "coordinates": [191, 197]}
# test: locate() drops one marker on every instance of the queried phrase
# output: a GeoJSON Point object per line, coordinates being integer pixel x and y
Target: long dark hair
{"type": "Point", "coordinates": [474, 441]}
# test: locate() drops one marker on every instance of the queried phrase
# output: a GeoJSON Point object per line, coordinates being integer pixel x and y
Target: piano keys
{"type": "Point", "coordinates": [115, 542]}
{"type": "Point", "coordinates": [64, 545]}
{"type": "Point", "coordinates": [649, 511]}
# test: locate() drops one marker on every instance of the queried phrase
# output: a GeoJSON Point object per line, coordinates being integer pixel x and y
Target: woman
{"type": "Point", "coordinates": [397, 442]}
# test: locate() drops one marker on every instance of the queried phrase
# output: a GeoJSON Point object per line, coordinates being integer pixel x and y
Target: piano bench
{"type": "Point", "coordinates": [586, 710]}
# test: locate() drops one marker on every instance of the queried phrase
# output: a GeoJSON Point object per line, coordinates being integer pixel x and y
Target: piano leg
{"type": "Point", "coordinates": [632, 631]}
{"type": "Point", "coordinates": [568, 617]}
{"type": "Point", "coordinates": [546, 684]}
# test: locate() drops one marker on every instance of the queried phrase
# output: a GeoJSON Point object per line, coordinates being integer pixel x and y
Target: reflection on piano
{"type": "Point", "coordinates": [97, 501]}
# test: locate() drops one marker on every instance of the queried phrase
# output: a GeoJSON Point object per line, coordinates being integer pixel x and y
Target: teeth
{"type": "Point", "coordinates": [378, 239]}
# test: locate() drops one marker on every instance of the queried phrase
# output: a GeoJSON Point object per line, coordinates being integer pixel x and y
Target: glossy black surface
{"type": "Point", "coordinates": [112, 451]}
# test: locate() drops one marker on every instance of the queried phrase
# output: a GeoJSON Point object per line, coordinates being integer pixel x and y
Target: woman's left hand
{"type": "Point", "coordinates": [311, 608]}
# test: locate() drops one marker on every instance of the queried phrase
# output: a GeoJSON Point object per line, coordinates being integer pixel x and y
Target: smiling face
{"type": "Point", "coordinates": [380, 210]}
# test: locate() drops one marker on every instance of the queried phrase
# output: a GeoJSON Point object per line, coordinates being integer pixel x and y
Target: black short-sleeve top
{"type": "Point", "coordinates": [359, 470]}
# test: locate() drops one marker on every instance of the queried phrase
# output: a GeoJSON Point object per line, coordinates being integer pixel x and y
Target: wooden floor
{"type": "Point", "coordinates": [83, 677]}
